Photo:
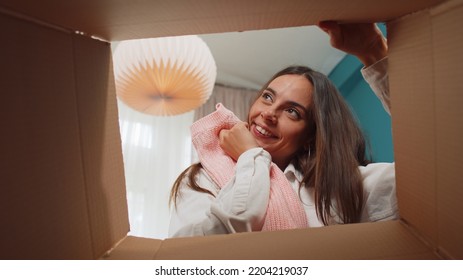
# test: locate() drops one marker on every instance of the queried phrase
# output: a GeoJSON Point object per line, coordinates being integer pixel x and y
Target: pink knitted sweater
{"type": "Point", "coordinates": [284, 210]}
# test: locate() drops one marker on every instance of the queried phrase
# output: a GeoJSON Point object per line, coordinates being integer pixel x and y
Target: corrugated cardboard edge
{"type": "Point", "coordinates": [24, 17]}
{"type": "Point", "coordinates": [445, 6]}
{"type": "Point", "coordinates": [100, 142]}
{"type": "Point", "coordinates": [434, 10]}
{"type": "Point", "coordinates": [184, 17]}
{"type": "Point", "coordinates": [134, 248]}
{"type": "Point", "coordinates": [440, 252]}
{"type": "Point", "coordinates": [374, 241]}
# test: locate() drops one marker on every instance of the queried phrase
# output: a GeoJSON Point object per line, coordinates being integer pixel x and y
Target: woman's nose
{"type": "Point", "coordinates": [269, 115]}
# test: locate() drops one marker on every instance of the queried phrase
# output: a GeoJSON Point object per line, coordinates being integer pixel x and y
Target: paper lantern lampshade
{"type": "Point", "coordinates": [164, 76]}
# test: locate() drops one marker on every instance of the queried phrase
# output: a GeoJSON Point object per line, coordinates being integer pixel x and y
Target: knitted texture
{"type": "Point", "coordinates": [284, 210]}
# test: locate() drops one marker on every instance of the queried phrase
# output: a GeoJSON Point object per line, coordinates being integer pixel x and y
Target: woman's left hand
{"type": "Point", "coordinates": [364, 40]}
{"type": "Point", "coordinates": [237, 140]}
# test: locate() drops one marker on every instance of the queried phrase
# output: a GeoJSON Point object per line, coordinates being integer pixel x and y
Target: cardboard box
{"type": "Point", "coordinates": [62, 180]}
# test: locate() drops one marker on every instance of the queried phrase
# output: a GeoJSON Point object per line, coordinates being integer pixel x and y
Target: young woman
{"type": "Point", "coordinates": [298, 161]}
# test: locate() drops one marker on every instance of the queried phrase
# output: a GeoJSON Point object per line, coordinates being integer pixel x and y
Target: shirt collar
{"type": "Point", "coordinates": [292, 173]}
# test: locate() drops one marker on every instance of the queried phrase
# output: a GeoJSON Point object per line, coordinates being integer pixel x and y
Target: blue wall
{"type": "Point", "coordinates": [374, 121]}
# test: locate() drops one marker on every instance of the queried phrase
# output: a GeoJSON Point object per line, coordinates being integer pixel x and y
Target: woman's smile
{"type": "Point", "coordinates": [260, 131]}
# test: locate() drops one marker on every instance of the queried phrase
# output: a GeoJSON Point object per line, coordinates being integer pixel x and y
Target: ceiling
{"type": "Point", "coordinates": [248, 59]}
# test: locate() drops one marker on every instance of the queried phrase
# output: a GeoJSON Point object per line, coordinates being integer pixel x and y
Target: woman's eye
{"type": "Point", "coordinates": [266, 96]}
{"type": "Point", "coordinates": [294, 113]}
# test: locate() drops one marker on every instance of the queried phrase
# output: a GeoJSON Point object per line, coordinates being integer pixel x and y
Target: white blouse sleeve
{"type": "Point", "coordinates": [380, 191]}
{"type": "Point", "coordinates": [379, 178]}
{"type": "Point", "coordinates": [376, 76]}
{"type": "Point", "coordinates": [239, 206]}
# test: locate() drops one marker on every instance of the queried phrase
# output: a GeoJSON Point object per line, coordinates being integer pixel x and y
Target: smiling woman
{"type": "Point", "coordinates": [279, 118]}
{"type": "Point", "coordinates": [299, 160]}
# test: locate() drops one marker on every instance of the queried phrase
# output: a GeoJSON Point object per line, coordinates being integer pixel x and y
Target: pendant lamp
{"type": "Point", "coordinates": [164, 76]}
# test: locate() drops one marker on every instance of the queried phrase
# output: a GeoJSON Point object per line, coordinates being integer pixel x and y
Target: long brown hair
{"type": "Point", "coordinates": [330, 158]}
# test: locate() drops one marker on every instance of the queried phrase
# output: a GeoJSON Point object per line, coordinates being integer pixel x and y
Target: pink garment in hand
{"type": "Point", "coordinates": [284, 210]}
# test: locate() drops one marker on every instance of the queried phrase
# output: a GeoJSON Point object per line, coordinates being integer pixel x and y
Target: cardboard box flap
{"type": "Point", "coordinates": [43, 206]}
{"type": "Point", "coordinates": [122, 20]}
{"type": "Point", "coordinates": [383, 240]}
{"type": "Point", "coordinates": [100, 143]}
{"type": "Point", "coordinates": [426, 67]}
{"type": "Point", "coordinates": [448, 65]}
{"type": "Point", "coordinates": [61, 169]}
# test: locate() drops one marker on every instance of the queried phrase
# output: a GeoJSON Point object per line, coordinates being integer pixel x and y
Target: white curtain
{"type": "Point", "coordinates": [156, 150]}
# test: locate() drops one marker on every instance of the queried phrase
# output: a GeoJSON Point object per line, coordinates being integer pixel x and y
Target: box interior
{"type": "Point", "coordinates": [62, 167]}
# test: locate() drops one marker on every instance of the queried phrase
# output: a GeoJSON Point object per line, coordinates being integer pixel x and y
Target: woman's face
{"type": "Point", "coordinates": [278, 118]}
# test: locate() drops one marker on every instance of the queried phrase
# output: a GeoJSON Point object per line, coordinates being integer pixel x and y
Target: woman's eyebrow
{"type": "Point", "coordinates": [295, 104]}
{"type": "Point", "coordinates": [292, 103]}
{"type": "Point", "coordinates": [271, 90]}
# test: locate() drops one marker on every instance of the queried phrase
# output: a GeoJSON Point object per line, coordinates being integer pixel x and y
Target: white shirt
{"type": "Point", "coordinates": [241, 204]}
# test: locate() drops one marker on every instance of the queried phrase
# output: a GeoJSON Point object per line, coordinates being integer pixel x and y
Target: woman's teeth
{"type": "Point", "coordinates": [263, 131]}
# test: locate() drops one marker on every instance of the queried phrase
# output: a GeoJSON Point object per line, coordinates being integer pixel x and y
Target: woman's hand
{"type": "Point", "coordinates": [237, 140]}
{"type": "Point", "coordinates": [364, 40]}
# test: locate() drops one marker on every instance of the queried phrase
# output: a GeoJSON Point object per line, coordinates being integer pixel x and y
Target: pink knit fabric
{"type": "Point", "coordinates": [284, 210]}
